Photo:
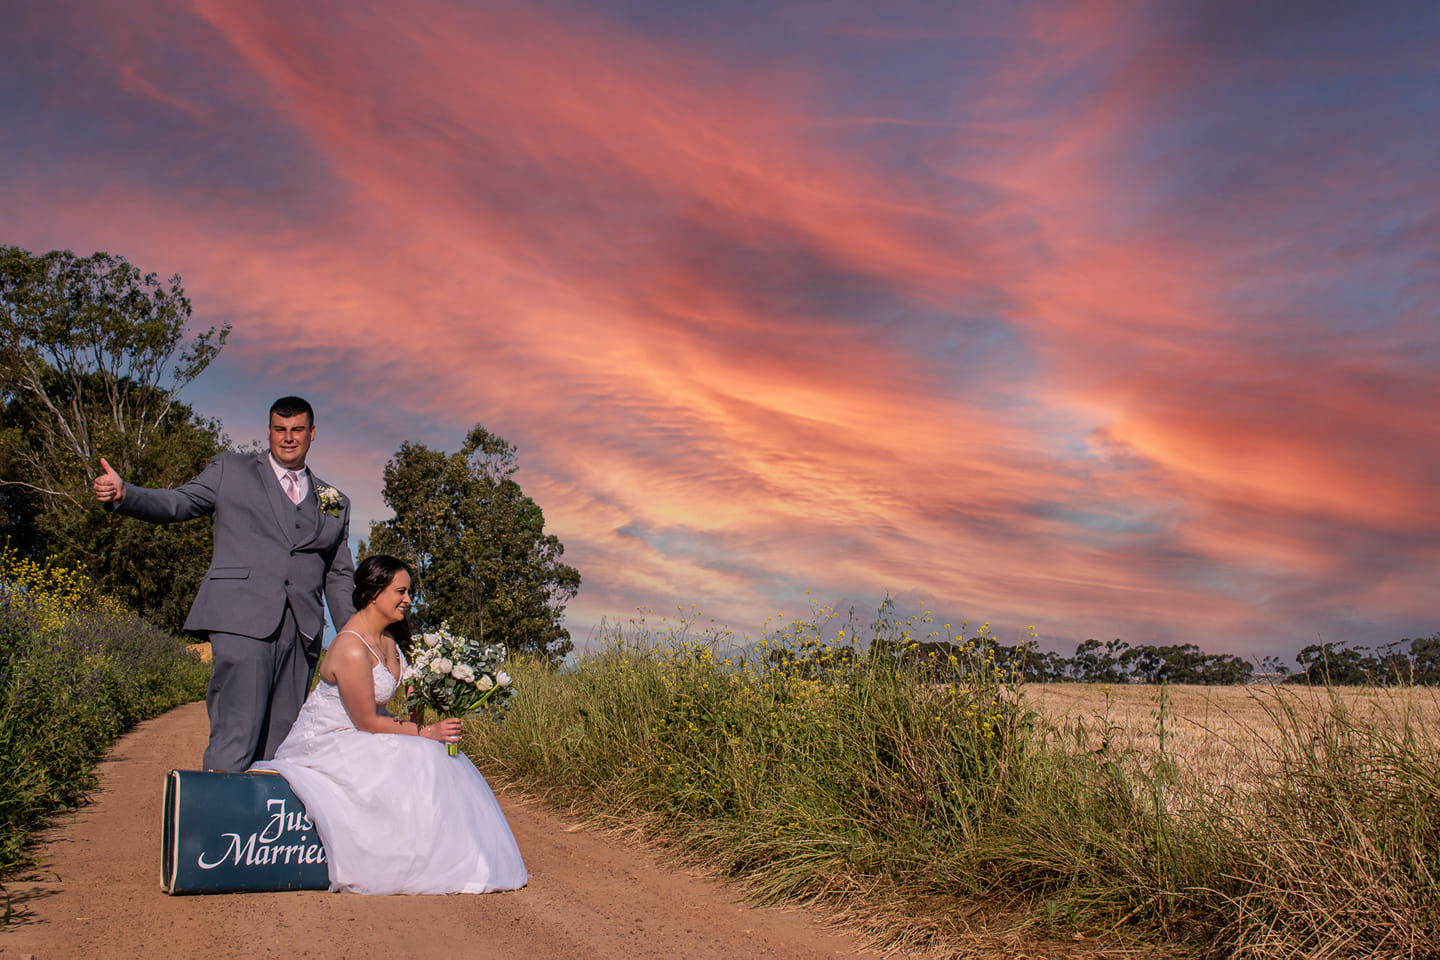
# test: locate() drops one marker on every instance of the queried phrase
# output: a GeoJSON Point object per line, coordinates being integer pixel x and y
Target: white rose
{"type": "Point", "coordinates": [503, 678]}
{"type": "Point", "coordinates": [441, 665]}
{"type": "Point", "coordinates": [431, 639]}
{"type": "Point", "coordinates": [463, 672]}
{"type": "Point", "coordinates": [485, 682]}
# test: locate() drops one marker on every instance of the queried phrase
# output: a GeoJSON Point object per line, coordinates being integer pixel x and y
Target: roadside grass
{"type": "Point", "coordinates": [942, 815]}
{"type": "Point", "coordinates": [76, 670]}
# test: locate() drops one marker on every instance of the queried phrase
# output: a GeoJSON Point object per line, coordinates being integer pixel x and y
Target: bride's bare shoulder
{"type": "Point", "coordinates": [347, 650]}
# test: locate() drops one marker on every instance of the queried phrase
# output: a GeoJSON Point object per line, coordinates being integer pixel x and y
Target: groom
{"type": "Point", "coordinates": [280, 538]}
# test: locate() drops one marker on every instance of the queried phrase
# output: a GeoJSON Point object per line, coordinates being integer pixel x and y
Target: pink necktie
{"type": "Point", "coordinates": [292, 486]}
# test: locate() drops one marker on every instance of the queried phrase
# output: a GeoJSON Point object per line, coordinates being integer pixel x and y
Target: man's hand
{"type": "Point", "coordinates": [109, 488]}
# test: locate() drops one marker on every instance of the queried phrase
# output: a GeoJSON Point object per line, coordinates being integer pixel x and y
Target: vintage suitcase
{"type": "Point", "coordinates": [232, 832]}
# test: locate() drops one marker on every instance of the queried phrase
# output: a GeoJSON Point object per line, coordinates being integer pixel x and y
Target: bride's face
{"type": "Point", "coordinates": [395, 598]}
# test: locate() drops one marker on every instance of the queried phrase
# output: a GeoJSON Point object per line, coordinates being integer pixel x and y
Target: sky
{"type": "Point", "coordinates": [1109, 319]}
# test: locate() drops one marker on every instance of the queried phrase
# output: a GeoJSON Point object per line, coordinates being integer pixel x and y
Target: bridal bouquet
{"type": "Point", "coordinates": [456, 677]}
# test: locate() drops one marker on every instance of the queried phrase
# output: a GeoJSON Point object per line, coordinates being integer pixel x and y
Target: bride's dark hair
{"type": "Point", "coordinates": [372, 576]}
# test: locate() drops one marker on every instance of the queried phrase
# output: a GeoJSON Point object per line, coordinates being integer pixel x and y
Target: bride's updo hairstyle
{"type": "Point", "coordinates": [372, 576]}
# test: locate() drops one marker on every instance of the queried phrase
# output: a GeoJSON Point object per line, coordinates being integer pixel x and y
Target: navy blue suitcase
{"type": "Point", "coordinates": [234, 832]}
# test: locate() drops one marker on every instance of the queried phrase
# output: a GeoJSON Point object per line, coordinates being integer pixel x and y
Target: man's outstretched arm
{"type": "Point", "coordinates": [194, 498]}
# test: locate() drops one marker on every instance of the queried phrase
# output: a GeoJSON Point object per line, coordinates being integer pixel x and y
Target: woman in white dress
{"type": "Point", "coordinates": [396, 812]}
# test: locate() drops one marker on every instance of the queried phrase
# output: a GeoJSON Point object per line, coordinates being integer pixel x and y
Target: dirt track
{"type": "Point", "coordinates": [98, 894]}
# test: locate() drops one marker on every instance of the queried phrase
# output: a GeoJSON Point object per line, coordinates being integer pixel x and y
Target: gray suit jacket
{"type": "Point", "coordinates": [267, 549]}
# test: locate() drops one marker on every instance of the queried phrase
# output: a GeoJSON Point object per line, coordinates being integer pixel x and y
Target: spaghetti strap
{"type": "Point", "coordinates": [378, 658]}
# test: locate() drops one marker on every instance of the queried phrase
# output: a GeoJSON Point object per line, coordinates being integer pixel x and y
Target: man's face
{"type": "Point", "coordinates": [290, 439]}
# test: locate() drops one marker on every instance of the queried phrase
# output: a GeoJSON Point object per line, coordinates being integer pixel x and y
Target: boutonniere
{"type": "Point", "coordinates": [329, 500]}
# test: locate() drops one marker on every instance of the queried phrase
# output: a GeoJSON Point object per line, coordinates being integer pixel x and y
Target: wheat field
{"type": "Point", "coordinates": [1220, 736]}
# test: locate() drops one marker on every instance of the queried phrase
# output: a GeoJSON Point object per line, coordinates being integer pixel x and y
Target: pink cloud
{"type": "Point", "coordinates": [624, 254]}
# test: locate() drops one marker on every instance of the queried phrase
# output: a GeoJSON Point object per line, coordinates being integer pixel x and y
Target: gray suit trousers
{"type": "Point", "coordinates": [267, 678]}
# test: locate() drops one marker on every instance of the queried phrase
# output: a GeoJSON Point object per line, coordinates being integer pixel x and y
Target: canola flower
{"type": "Point", "coordinates": [52, 593]}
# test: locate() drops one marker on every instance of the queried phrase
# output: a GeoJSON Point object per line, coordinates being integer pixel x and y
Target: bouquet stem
{"type": "Point", "coordinates": [453, 749]}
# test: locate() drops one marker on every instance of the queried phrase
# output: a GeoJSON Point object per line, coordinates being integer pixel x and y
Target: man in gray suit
{"type": "Point", "coordinates": [281, 537]}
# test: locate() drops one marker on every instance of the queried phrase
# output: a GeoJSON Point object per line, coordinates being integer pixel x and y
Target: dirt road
{"type": "Point", "coordinates": [590, 898]}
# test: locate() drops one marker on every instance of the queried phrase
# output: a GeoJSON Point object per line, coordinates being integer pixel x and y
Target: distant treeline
{"type": "Point", "coordinates": [1115, 661]}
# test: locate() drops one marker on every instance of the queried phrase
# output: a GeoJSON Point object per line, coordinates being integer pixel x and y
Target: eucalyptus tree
{"type": "Point", "coordinates": [483, 562]}
{"type": "Point", "coordinates": [93, 356]}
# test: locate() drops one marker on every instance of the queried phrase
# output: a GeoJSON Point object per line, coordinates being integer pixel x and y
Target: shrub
{"type": "Point", "coordinates": [75, 671]}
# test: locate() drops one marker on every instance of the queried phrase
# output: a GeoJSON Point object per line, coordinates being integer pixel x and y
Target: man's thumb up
{"type": "Point", "coordinates": [109, 488]}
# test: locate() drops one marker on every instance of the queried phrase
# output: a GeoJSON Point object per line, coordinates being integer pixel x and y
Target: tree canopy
{"type": "Point", "coordinates": [482, 560]}
{"type": "Point", "coordinates": [92, 356]}
{"type": "Point", "coordinates": [99, 349]}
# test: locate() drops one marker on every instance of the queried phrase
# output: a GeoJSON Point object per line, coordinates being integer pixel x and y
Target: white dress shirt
{"type": "Point", "coordinates": [302, 477]}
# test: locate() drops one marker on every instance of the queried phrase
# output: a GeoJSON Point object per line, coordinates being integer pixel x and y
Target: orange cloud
{"type": "Point", "coordinates": [743, 352]}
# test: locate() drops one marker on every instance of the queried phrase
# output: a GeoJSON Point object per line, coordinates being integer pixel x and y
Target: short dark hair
{"type": "Point", "coordinates": [372, 576]}
{"type": "Point", "coordinates": [293, 407]}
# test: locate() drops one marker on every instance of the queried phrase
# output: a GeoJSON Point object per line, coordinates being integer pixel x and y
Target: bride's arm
{"type": "Point", "coordinates": [351, 665]}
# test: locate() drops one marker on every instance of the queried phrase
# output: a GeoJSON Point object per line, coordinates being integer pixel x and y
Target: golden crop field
{"type": "Point", "coordinates": [1221, 735]}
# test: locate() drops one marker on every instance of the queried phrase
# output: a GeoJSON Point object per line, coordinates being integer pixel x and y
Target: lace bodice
{"type": "Point", "coordinates": [385, 682]}
{"type": "Point", "coordinates": [324, 711]}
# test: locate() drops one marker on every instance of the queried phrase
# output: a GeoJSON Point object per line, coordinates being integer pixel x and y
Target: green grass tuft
{"type": "Point", "coordinates": [916, 796]}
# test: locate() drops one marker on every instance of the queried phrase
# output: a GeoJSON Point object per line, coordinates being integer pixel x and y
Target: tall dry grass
{"type": "Point", "coordinates": [1331, 793]}
{"type": "Point", "coordinates": [1283, 824]}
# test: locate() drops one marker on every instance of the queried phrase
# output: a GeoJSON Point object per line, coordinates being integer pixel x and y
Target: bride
{"type": "Point", "coordinates": [397, 814]}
